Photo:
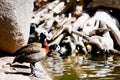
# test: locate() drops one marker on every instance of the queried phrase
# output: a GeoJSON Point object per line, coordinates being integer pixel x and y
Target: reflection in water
{"type": "Point", "coordinates": [81, 68]}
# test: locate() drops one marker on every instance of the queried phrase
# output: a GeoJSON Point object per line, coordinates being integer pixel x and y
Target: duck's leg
{"type": "Point", "coordinates": [33, 69]}
{"type": "Point", "coordinates": [32, 66]}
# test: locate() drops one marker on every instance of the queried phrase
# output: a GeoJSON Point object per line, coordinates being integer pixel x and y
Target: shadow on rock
{"type": "Point", "coordinates": [3, 54]}
{"type": "Point", "coordinates": [20, 66]}
{"type": "Point", "coordinates": [23, 73]}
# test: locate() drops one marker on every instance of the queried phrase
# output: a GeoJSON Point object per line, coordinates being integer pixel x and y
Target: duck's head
{"type": "Point", "coordinates": [43, 36]}
{"type": "Point", "coordinates": [54, 47]}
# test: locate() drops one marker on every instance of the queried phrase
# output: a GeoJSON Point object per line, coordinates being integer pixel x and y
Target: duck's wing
{"type": "Point", "coordinates": [29, 49]}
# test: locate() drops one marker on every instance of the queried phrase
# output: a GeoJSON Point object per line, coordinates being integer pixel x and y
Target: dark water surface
{"type": "Point", "coordinates": [82, 68]}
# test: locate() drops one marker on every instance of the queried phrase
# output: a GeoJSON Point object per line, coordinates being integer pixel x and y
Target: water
{"type": "Point", "coordinates": [82, 68]}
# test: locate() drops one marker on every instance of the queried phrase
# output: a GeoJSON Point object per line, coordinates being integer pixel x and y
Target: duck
{"type": "Point", "coordinates": [54, 51]}
{"type": "Point", "coordinates": [54, 47]}
{"type": "Point", "coordinates": [32, 53]}
{"type": "Point", "coordinates": [67, 46]}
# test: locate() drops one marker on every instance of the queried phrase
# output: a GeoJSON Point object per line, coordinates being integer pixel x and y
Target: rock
{"type": "Point", "coordinates": [15, 16]}
{"type": "Point", "coordinates": [104, 3]}
{"type": "Point", "coordinates": [17, 71]}
{"type": "Point", "coordinates": [112, 6]}
{"type": "Point", "coordinates": [4, 76]}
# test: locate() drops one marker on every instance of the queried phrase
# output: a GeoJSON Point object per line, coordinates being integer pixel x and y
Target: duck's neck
{"type": "Point", "coordinates": [45, 45]}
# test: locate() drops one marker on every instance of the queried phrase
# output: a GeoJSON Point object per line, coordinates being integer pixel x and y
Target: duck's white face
{"type": "Point", "coordinates": [58, 48]}
{"type": "Point", "coordinates": [49, 37]}
{"type": "Point", "coordinates": [44, 32]}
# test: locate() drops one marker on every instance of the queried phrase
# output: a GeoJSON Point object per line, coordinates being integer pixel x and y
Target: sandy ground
{"type": "Point", "coordinates": [16, 71]}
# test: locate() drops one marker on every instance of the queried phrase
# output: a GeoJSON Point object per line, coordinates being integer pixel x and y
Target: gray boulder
{"type": "Point", "coordinates": [15, 16]}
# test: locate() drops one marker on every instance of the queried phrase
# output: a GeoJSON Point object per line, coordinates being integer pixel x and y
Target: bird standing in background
{"type": "Point", "coordinates": [33, 53]}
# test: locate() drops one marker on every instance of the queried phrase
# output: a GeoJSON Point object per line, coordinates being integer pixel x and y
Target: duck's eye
{"type": "Point", "coordinates": [58, 47]}
{"type": "Point", "coordinates": [44, 32]}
